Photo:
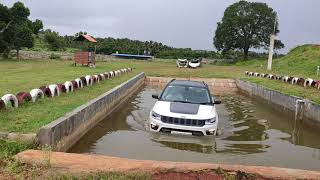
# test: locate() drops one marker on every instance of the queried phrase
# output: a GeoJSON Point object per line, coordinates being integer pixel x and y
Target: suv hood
{"type": "Point", "coordinates": [186, 110]}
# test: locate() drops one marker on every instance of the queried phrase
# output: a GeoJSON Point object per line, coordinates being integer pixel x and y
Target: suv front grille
{"type": "Point", "coordinates": [183, 122]}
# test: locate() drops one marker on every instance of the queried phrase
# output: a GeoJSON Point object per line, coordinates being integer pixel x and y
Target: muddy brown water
{"type": "Point", "coordinates": [251, 133]}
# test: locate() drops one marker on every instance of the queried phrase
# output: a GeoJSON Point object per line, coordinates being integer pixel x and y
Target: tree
{"type": "Point", "coordinates": [53, 39]}
{"type": "Point", "coordinates": [246, 25]}
{"type": "Point", "coordinates": [19, 33]}
{"type": "Point", "coordinates": [5, 22]}
{"type": "Point", "coordinates": [15, 28]}
{"type": "Point", "coordinates": [37, 25]}
{"type": "Point", "coordinates": [22, 37]}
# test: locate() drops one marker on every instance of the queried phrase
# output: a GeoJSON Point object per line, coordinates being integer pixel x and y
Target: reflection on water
{"type": "Point", "coordinates": [250, 133]}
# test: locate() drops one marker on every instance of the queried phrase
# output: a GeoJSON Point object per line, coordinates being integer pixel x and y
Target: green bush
{"type": "Point", "coordinates": [10, 148]}
{"type": "Point", "coordinates": [54, 56]}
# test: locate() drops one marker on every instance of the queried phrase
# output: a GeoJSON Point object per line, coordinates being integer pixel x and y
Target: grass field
{"type": "Point", "coordinates": [24, 76]}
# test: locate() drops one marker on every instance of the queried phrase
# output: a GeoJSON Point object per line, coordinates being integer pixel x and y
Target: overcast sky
{"type": "Point", "coordinates": [178, 23]}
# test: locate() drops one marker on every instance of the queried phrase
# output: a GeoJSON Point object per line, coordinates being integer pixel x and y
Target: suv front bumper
{"type": "Point", "coordinates": [159, 126]}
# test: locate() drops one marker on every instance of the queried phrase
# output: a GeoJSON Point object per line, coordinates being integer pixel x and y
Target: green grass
{"type": "Point", "coordinates": [11, 168]}
{"type": "Point", "coordinates": [10, 148]}
{"type": "Point", "coordinates": [286, 88]}
{"type": "Point", "coordinates": [23, 76]}
{"type": "Point", "coordinates": [301, 61]}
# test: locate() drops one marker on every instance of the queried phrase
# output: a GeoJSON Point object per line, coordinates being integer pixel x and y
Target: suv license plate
{"type": "Point", "coordinates": [179, 132]}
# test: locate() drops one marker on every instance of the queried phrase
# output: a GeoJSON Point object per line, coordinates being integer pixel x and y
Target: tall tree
{"type": "Point", "coordinates": [15, 28]}
{"type": "Point", "coordinates": [22, 38]}
{"type": "Point", "coordinates": [53, 39]}
{"type": "Point", "coordinates": [246, 25]}
{"type": "Point", "coordinates": [5, 22]}
{"type": "Point", "coordinates": [37, 25]}
{"type": "Point", "coordinates": [20, 33]}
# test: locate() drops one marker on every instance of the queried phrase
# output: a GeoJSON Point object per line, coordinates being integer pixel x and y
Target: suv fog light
{"type": "Point", "coordinates": [210, 132]}
{"type": "Point", "coordinates": [154, 126]}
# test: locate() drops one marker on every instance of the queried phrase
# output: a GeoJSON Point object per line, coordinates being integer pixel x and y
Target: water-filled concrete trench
{"type": "Point", "coordinates": [251, 133]}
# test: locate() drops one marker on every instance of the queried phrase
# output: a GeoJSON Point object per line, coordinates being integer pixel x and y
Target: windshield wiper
{"type": "Point", "coordinates": [180, 101]}
{"type": "Point", "coordinates": [205, 103]}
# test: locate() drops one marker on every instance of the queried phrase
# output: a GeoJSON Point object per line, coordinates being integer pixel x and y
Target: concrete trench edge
{"type": "Point", "coordinates": [90, 163]}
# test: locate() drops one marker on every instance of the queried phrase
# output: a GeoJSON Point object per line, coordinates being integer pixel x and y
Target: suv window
{"type": "Point", "coordinates": [186, 94]}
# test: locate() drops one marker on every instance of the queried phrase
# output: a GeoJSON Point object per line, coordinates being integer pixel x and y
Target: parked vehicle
{"type": "Point", "coordinates": [182, 63]}
{"type": "Point", "coordinates": [194, 63]}
{"type": "Point", "coordinates": [185, 107]}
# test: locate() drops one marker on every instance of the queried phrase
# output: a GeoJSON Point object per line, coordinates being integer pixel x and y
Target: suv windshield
{"type": "Point", "coordinates": [186, 94]}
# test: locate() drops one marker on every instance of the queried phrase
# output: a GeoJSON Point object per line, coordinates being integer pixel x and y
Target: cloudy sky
{"type": "Point", "coordinates": [178, 23]}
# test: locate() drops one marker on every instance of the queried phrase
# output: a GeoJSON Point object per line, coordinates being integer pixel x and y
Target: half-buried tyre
{"type": "Point", "coordinates": [74, 84]}
{"type": "Point", "coordinates": [84, 81]}
{"type": "Point", "coordinates": [79, 83]}
{"type": "Point", "coordinates": [68, 86]}
{"type": "Point", "coordinates": [102, 77]}
{"type": "Point", "coordinates": [10, 100]}
{"type": "Point", "coordinates": [62, 88]}
{"type": "Point", "coordinates": [2, 104]}
{"type": "Point", "coordinates": [23, 97]}
{"type": "Point", "coordinates": [46, 91]}
{"type": "Point", "coordinates": [89, 80]}
{"type": "Point", "coordinates": [111, 74]}
{"type": "Point", "coordinates": [54, 90]}
{"type": "Point", "coordinates": [96, 78]}
{"type": "Point", "coordinates": [36, 94]}
{"type": "Point", "coordinates": [107, 75]}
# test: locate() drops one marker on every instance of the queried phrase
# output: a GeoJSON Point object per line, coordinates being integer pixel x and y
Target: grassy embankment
{"type": "Point", "coordinates": [299, 62]}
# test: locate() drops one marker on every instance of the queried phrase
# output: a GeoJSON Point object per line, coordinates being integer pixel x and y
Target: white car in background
{"type": "Point", "coordinates": [185, 107]}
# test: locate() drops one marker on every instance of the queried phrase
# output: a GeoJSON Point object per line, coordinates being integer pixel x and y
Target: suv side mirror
{"type": "Point", "coordinates": [155, 96]}
{"type": "Point", "coordinates": [217, 102]}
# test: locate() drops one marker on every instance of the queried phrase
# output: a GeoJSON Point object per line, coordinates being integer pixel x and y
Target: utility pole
{"type": "Point", "coordinates": [271, 47]}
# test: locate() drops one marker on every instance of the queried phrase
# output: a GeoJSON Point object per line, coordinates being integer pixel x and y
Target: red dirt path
{"type": "Point", "coordinates": [97, 163]}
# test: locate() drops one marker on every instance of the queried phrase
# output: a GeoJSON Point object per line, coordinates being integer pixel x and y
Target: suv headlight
{"type": "Point", "coordinates": [156, 115]}
{"type": "Point", "coordinates": [211, 121]}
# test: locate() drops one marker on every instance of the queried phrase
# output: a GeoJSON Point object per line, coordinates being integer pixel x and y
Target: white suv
{"type": "Point", "coordinates": [185, 107]}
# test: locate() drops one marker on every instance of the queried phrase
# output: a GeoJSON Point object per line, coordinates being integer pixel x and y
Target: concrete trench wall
{"type": "Point", "coordinates": [64, 132]}
{"type": "Point", "coordinates": [216, 86]}
{"type": "Point", "coordinates": [282, 102]}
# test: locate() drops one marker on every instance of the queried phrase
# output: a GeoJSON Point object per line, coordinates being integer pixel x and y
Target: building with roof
{"type": "Point", "coordinates": [132, 56]}
{"type": "Point", "coordinates": [86, 57]}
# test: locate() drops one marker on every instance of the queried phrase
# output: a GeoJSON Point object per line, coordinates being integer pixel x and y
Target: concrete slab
{"type": "Point", "coordinates": [216, 86]}
{"type": "Point", "coordinates": [99, 163]}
